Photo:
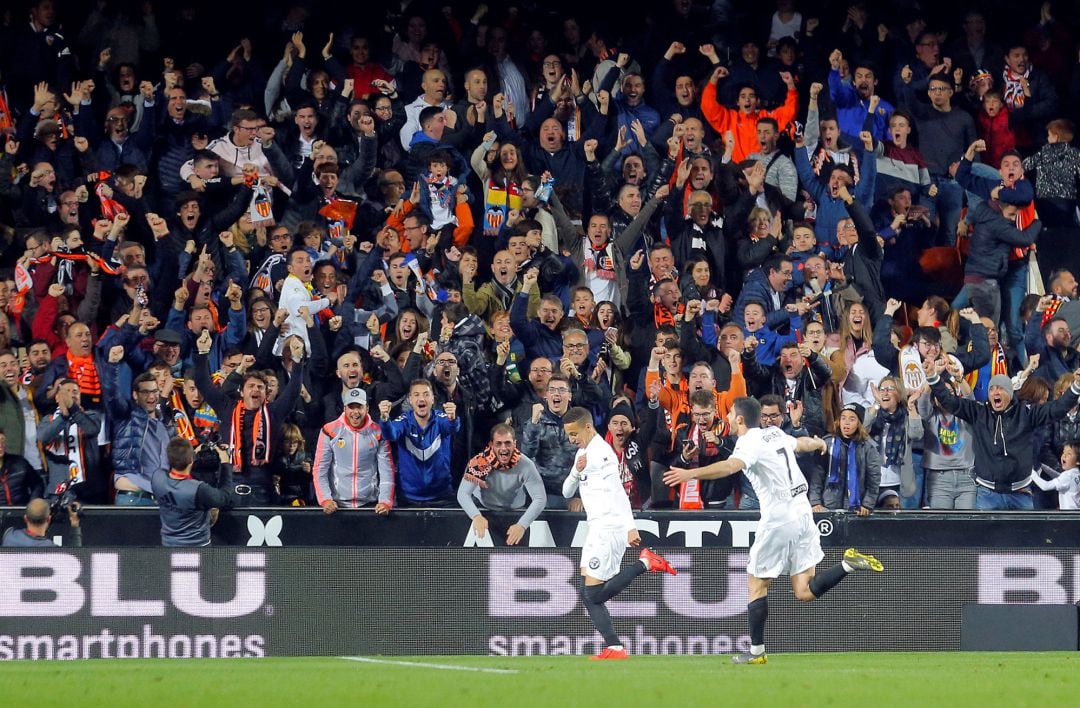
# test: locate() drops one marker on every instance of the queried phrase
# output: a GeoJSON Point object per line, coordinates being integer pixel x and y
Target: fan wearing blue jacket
{"type": "Point", "coordinates": [422, 438]}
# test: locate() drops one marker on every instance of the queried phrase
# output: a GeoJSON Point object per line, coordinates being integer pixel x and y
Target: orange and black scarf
{"type": "Point", "coordinates": [663, 316]}
{"type": "Point", "coordinates": [260, 436]}
{"type": "Point", "coordinates": [85, 373]}
{"type": "Point", "coordinates": [481, 465]}
{"type": "Point", "coordinates": [184, 429]}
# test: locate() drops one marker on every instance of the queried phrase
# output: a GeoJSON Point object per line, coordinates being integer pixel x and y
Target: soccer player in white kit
{"type": "Point", "coordinates": [787, 539]}
{"type": "Point", "coordinates": [595, 475]}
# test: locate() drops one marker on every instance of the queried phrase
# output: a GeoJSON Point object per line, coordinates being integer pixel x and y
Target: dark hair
{"type": "Point", "coordinates": [141, 379]}
{"type": "Point", "coordinates": [441, 156]}
{"type": "Point", "coordinates": [769, 120]}
{"type": "Point", "coordinates": [930, 334]}
{"type": "Point", "coordinates": [749, 410]}
{"type": "Point", "coordinates": [428, 114]}
{"type": "Point", "coordinates": [242, 114]}
{"type": "Point", "coordinates": [179, 453]}
{"type": "Point", "coordinates": [775, 262]}
{"type": "Point", "coordinates": [704, 399]}
{"type": "Point", "coordinates": [772, 399]}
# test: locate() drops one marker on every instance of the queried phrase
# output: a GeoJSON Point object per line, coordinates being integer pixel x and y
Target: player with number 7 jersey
{"type": "Point", "coordinates": [787, 540]}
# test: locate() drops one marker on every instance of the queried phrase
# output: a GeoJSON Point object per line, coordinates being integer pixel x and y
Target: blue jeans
{"type": "Point", "coordinates": [947, 206]}
{"type": "Point", "coordinates": [1013, 290]}
{"type": "Point", "coordinates": [915, 501]}
{"type": "Point", "coordinates": [988, 500]}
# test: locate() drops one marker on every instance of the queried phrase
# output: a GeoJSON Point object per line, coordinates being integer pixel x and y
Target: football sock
{"type": "Point", "coordinates": [616, 585]}
{"type": "Point", "coordinates": [599, 615]}
{"type": "Point", "coordinates": [826, 580]}
{"type": "Point", "coordinates": [757, 612]}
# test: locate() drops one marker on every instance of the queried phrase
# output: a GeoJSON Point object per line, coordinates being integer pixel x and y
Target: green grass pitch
{"type": "Point", "coordinates": [864, 679]}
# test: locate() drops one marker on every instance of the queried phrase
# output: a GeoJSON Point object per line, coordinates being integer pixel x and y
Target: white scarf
{"type": "Point", "coordinates": [69, 445]}
{"type": "Point", "coordinates": [911, 369]}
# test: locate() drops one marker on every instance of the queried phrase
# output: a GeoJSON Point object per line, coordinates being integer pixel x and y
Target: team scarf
{"type": "Point", "coordinates": [1013, 91]}
{"type": "Point", "coordinates": [498, 200]}
{"type": "Point", "coordinates": [85, 373]}
{"type": "Point", "coordinates": [599, 262]}
{"type": "Point", "coordinates": [184, 429]}
{"type": "Point", "coordinates": [979, 380]}
{"type": "Point", "coordinates": [110, 208]}
{"type": "Point", "coordinates": [261, 207]}
{"type": "Point", "coordinates": [889, 429]}
{"type": "Point", "coordinates": [260, 436]}
{"type": "Point", "coordinates": [482, 465]}
{"type": "Point", "coordinates": [65, 274]}
{"type": "Point", "coordinates": [1051, 309]}
{"type": "Point", "coordinates": [24, 283]}
{"type": "Point", "coordinates": [626, 475]}
{"type": "Point", "coordinates": [7, 122]}
{"type": "Point", "coordinates": [1024, 217]}
{"type": "Point", "coordinates": [263, 279]}
{"type": "Point", "coordinates": [442, 192]}
{"type": "Point", "coordinates": [205, 418]}
{"type": "Point", "coordinates": [663, 316]}
{"type": "Point", "coordinates": [68, 448]}
{"type": "Point", "coordinates": [841, 462]}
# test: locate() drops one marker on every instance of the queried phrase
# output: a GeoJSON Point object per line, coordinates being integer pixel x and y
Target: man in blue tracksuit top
{"type": "Point", "coordinates": [422, 439]}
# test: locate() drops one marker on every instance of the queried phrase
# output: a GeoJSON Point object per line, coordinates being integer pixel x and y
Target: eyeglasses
{"type": "Point", "coordinates": [887, 389]}
{"type": "Point", "coordinates": [248, 128]}
{"type": "Point", "coordinates": [940, 89]}
{"type": "Point", "coordinates": [260, 310]}
{"type": "Point", "coordinates": [551, 64]}
{"type": "Point", "coordinates": [772, 416]}
{"type": "Point", "coordinates": [445, 362]}
{"type": "Point", "coordinates": [540, 370]}
{"type": "Point", "coordinates": [580, 346]}
{"type": "Point", "coordinates": [563, 391]}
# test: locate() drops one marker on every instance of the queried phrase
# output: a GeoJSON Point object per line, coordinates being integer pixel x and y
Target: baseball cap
{"type": "Point", "coordinates": [354, 396]}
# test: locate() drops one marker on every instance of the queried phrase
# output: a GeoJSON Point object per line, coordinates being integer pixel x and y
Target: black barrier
{"type": "Point", "coordinates": [110, 526]}
{"type": "Point", "coordinates": [134, 603]}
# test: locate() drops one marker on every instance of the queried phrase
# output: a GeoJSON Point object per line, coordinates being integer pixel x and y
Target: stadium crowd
{"type": "Point", "coordinates": [379, 252]}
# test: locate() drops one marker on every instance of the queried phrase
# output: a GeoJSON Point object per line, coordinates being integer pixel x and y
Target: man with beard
{"type": "Point", "coordinates": [1052, 341]}
{"type": "Point", "coordinates": [632, 456]}
{"type": "Point", "coordinates": [423, 440]}
{"type": "Point", "coordinates": [353, 467]}
{"type": "Point", "coordinates": [472, 109]}
{"type": "Point", "coordinates": [544, 441]}
{"type": "Point", "coordinates": [496, 295]}
{"type": "Point", "coordinates": [499, 479]}
{"type": "Point", "coordinates": [121, 146]}
{"type": "Point", "coordinates": [852, 100]}
{"type": "Point", "coordinates": [68, 434]}
{"type": "Point", "coordinates": [1004, 433]}
{"type": "Point", "coordinates": [38, 356]}
{"type": "Point", "coordinates": [250, 426]}
{"type": "Point", "coordinates": [566, 104]}
{"type": "Point", "coordinates": [631, 108]}
{"type": "Point", "coordinates": [1029, 95]}
{"type": "Point", "coordinates": [600, 260]}
{"type": "Point", "coordinates": [798, 375]}
{"type": "Point", "coordinates": [200, 318]}
{"type": "Point", "coordinates": [171, 408]}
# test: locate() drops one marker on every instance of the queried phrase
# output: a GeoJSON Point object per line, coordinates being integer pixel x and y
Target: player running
{"type": "Point", "coordinates": [787, 539]}
{"type": "Point", "coordinates": [611, 527]}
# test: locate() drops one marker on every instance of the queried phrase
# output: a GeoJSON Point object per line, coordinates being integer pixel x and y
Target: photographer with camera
{"type": "Point", "coordinates": [39, 515]}
{"type": "Point", "coordinates": [188, 507]}
{"type": "Point", "coordinates": [140, 438]}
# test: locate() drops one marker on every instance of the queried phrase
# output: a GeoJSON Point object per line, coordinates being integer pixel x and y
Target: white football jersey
{"type": "Point", "coordinates": [769, 456]}
{"type": "Point", "coordinates": [601, 489]}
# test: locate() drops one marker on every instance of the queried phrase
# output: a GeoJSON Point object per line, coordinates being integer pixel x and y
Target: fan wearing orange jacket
{"type": "Point", "coordinates": [742, 120]}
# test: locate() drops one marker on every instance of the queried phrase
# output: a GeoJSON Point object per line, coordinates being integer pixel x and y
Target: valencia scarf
{"type": "Point", "coordinates": [844, 463]}
{"type": "Point", "coordinates": [979, 380]}
{"type": "Point", "coordinates": [68, 448]}
{"type": "Point", "coordinates": [599, 262]}
{"type": "Point", "coordinates": [663, 316]}
{"type": "Point", "coordinates": [498, 200]}
{"type": "Point", "coordinates": [626, 476]}
{"type": "Point", "coordinates": [1013, 91]}
{"type": "Point", "coordinates": [260, 436]}
{"type": "Point", "coordinates": [83, 370]}
{"type": "Point", "coordinates": [889, 429]}
{"type": "Point", "coordinates": [184, 428]}
{"type": "Point", "coordinates": [481, 465]}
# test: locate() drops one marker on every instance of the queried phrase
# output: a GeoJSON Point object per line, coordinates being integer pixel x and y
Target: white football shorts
{"type": "Point", "coordinates": [787, 549]}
